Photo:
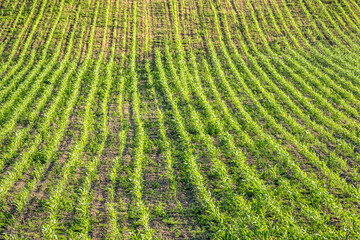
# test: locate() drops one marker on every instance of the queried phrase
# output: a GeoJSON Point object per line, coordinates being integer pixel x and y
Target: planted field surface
{"type": "Point", "coordinates": [180, 119]}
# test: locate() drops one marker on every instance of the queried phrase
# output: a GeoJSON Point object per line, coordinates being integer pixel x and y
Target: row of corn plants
{"type": "Point", "coordinates": [28, 98]}
{"type": "Point", "coordinates": [345, 147]}
{"type": "Point", "coordinates": [348, 109]}
{"type": "Point", "coordinates": [21, 199]}
{"type": "Point", "coordinates": [19, 15]}
{"type": "Point", "coordinates": [297, 111]}
{"type": "Point", "coordinates": [327, 57]}
{"type": "Point", "coordinates": [29, 38]}
{"type": "Point", "coordinates": [231, 120]}
{"type": "Point", "coordinates": [76, 154]}
{"type": "Point", "coordinates": [271, 100]}
{"type": "Point", "coordinates": [23, 163]}
{"type": "Point", "coordinates": [136, 176]}
{"type": "Point", "coordinates": [20, 135]}
{"type": "Point", "coordinates": [83, 205]}
{"type": "Point", "coordinates": [311, 156]}
{"type": "Point", "coordinates": [114, 230]}
{"type": "Point", "coordinates": [192, 168]}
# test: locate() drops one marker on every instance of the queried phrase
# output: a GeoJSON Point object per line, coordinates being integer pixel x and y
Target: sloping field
{"type": "Point", "coordinates": [180, 119]}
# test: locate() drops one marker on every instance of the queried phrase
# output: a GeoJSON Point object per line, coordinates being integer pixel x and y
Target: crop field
{"type": "Point", "coordinates": [179, 119]}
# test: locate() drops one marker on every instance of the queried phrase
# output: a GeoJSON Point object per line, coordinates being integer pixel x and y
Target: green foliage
{"type": "Point", "coordinates": [180, 119]}
{"type": "Point", "coordinates": [39, 157]}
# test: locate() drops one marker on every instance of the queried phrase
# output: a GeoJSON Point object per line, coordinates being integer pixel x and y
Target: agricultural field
{"type": "Point", "coordinates": [179, 119]}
